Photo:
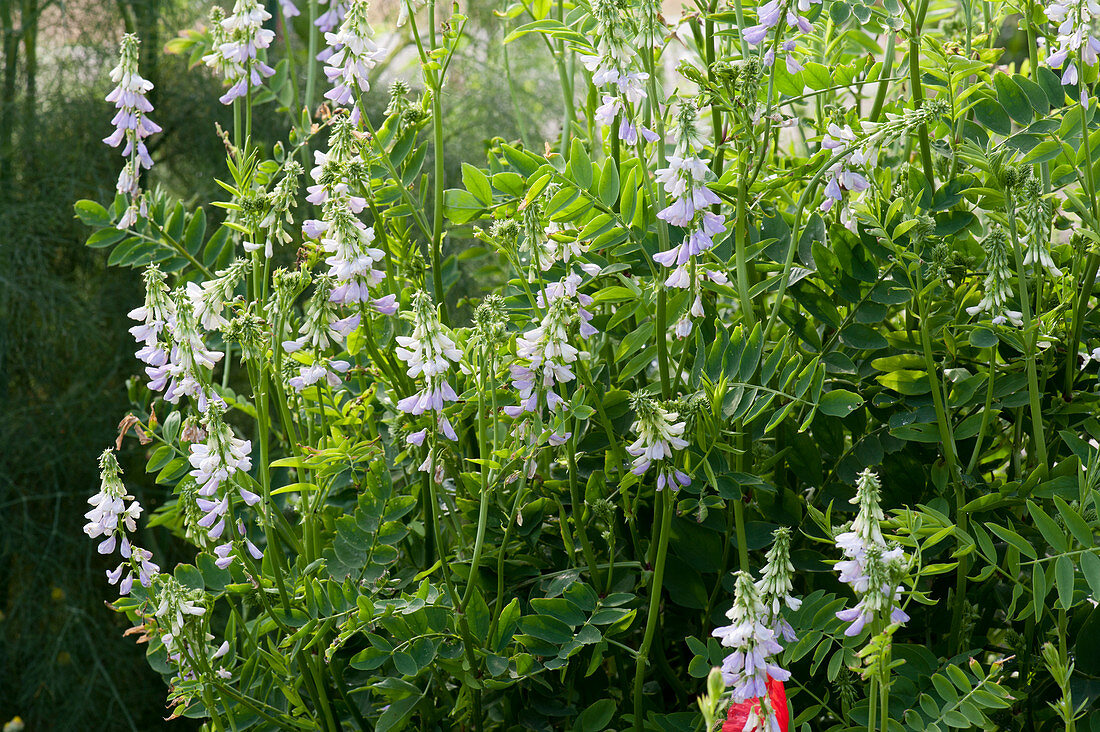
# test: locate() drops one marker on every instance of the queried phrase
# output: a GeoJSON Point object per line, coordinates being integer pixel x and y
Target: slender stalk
{"type": "Point", "coordinates": [577, 508]}
{"type": "Point", "coordinates": [1031, 334]}
{"type": "Point", "coordinates": [652, 616]}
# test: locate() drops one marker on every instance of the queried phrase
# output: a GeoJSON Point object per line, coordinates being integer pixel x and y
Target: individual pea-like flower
{"type": "Point", "coordinates": [355, 54]}
{"type": "Point", "coordinates": [208, 299]}
{"type": "Point", "coordinates": [1076, 40]}
{"type": "Point", "coordinates": [997, 286]}
{"type": "Point", "coordinates": [429, 353]}
{"type": "Point", "coordinates": [844, 176]}
{"type": "Point", "coordinates": [236, 53]}
{"type": "Point", "coordinates": [754, 645]}
{"type": "Point", "coordinates": [289, 8]}
{"type": "Point", "coordinates": [545, 357]}
{"type": "Point", "coordinates": [132, 126]}
{"type": "Point", "coordinates": [870, 567]}
{"type": "Point", "coordinates": [214, 463]}
{"type": "Point", "coordinates": [659, 433]}
{"type": "Point", "coordinates": [114, 512]}
{"type": "Point", "coordinates": [325, 369]}
{"type": "Point", "coordinates": [775, 586]}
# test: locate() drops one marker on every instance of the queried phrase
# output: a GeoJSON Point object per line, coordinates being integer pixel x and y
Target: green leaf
{"type": "Point", "coordinates": [992, 115]}
{"type": "Point", "coordinates": [477, 183]}
{"type": "Point", "coordinates": [1090, 567]}
{"type": "Point", "coordinates": [1063, 580]}
{"type": "Point", "coordinates": [609, 183]}
{"type": "Point", "coordinates": [1014, 539]}
{"type": "Point", "coordinates": [1038, 589]}
{"type": "Point", "coordinates": [817, 76]}
{"type": "Point", "coordinates": [580, 167]}
{"type": "Point", "coordinates": [1013, 99]}
{"type": "Point", "coordinates": [546, 628]}
{"type": "Point", "coordinates": [596, 717]}
{"type": "Point", "coordinates": [189, 577]}
{"type": "Point", "coordinates": [982, 337]}
{"type": "Point", "coordinates": [397, 714]}
{"type": "Point", "coordinates": [862, 337]}
{"type": "Point", "coordinates": [92, 213]}
{"type": "Point", "coordinates": [1048, 527]}
{"type": "Point", "coordinates": [461, 206]}
{"type": "Point", "coordinates": [1076, 524]}
{"type": "Point", "coordinates": [839, 403]}
{"type": "Point", "coordinates": [477, 615]}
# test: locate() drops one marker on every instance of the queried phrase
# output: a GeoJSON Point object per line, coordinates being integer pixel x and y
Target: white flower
{"type": "Point", "coordinates": [658, 435]}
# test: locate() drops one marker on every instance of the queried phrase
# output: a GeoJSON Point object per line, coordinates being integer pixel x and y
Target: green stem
{"type": "Point", "coordinates": [883, 76]}
{"type": "Point", "coordinates": [652, 616]}
{"type": "Point", "coordinates": [1031, 334]}
{"type": "Point", "coordinates": [577, 507]}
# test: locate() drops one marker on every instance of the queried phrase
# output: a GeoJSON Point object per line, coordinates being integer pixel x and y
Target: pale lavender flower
{"type": "Point", "coordinates": [870, 567]}
{"type": "Point", "coordinates": [290, 10]}
{"type": "Point", "coordinates": [157, 318]}
{"type": "Point", "coordinates": [330, 20]}
{"type": "Point", "coordinates": [186, 372]}
{"type": "Point", "coordinates": [1077, 39]}
{"type": "Point", "coordinates": [132, 126]}
{"type": "Point", "coordinates": [658, 435]}
{"type": "Point", "coordinates": [843, 176]}
{"type": "Point", "coordinates": [213, 465]}
{"type": "Point", "coordinates": [753, 659]}
{"type": "Point", "coordinates": [356, 54]}
{"type": "Point", "coordinates": [237, 45]}
{"type": "Point", "coordinates": [429, 353]}
{"type": "Point", "coordinates": [612, 65]}
{"type": "Point", "coordinates": [114, 512]}
{"type": "Point", "coordinates": [997, 286]}
{"type": "Point", "coordinates": [328, 370]}
{"type": "Point", "coordinates": [352, 258]}
{"type": "Point", "coordinates": [545, 357]}
{"type": "Point", "coordinates": [775, 587]}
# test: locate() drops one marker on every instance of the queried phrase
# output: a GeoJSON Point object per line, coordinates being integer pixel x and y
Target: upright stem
{"type": "Point", "coordinates": [656, 584]}
{"type": "Point", "coordinates": [918, 93]}
{"type": "Point", "coordinates": [1031, 335]}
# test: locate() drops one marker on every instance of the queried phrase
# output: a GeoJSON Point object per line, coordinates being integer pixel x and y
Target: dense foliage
{"type": "Point", "coordinates": [778, 359]}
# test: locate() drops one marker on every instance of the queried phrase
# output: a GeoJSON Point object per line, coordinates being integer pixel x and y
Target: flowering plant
{"type": "Point", "coordinates": [726, 302]}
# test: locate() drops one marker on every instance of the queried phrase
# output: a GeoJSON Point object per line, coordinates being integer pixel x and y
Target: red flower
{"type": "Point", "coordinates": [739, 712]}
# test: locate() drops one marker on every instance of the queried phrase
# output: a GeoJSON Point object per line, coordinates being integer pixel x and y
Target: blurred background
{"type": "Point", "coordinates": [65, 353]}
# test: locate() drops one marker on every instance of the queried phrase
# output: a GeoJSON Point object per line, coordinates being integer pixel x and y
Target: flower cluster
{"type": "Point", "coordinates": [132, 126]}
{"type": "Point", "coordinates": [352, 258]}
{"type": "Point", "coordinates": [214, 463]}
{"type": "Point", "coordinates": [998, 288]}
{"type": "Point", "coordinates": [769, 16]}
{"type": "Point", "coordinates": [1038, 213]}
{"type": "Point", "coordinates": [545, 357]}
{"type": "Point", "coordinates": [238, 40]}
{"type": "Point", "coordinates": [1076, 39]}
{"type": "Point", "coordinates": [429, 352]}
{"type": "Point", "coordinates": [775, 585]}
{"type": "Point", "coordinates": [209, 298]}
{"type": "Point", "coordinates": [611, 65]}
{"type": "Point", "coordinates": [322, 324]}
{"type": "Point", "coordinates": [870, 567]}
{"type": "Point", "coordinates": [843, 174]}
{"type": "Point", "coordinates": [280, 200]}
{"type": "Point", "coordinates": [114, 515]}
{"type": "Point", "coordinates": [751, 665]}
{"type": "Point", "coordinates": [185, 372]}
{"type": "Point", "coordinates": [177, 609]}
{"type": "Point", "coordinates": [330, 174]}
{"type": "Point", "coordinates": [658, 434]}
{"type": "Point", "coordinates": [355, 54]}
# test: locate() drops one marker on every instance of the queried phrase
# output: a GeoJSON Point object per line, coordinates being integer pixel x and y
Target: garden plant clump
{"type": "Point", "coordinates": [755, 390]}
